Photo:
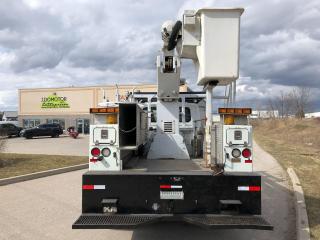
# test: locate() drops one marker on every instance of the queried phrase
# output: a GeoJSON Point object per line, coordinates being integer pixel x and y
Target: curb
{"type": "Point", "coordinates": [302, 223]}
{"type": "Point", "coordinates": [36, 175]}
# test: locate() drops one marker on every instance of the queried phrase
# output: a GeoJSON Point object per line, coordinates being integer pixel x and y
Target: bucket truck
{"type": "Point", "coordinates": [160, 156]}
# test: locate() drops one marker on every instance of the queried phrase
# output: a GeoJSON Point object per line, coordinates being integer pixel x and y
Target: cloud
{"type": "Point", "coordinates": [63, 43]}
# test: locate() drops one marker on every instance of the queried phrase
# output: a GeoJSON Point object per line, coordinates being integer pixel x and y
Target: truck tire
{"type": "Point", "coordinates": [55, 135]}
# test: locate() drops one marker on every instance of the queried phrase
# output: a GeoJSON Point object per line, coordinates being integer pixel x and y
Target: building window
{"type": "Point", "coordinates": [153, 113]}
{"type": "Point", "coordinates": [30, 123]}
{"type": "Point", "coordinates": [83, 125]}
{"type": "Point", "coordinates": [187, 113]}
{"type": "Point", "coordinates": [57, 121]}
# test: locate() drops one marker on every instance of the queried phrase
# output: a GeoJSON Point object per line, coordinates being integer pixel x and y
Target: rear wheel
{"type": "Point", "coordinates": [55, 135]}
{"type": "Point", "coordinates": [29, 136]}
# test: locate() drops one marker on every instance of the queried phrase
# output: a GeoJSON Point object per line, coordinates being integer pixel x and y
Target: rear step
{"type": "Point", "coordinates": [126, 221]}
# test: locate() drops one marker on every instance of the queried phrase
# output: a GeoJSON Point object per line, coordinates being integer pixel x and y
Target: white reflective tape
{"type": "Point", "coordinates": [176, 186]}
{"type": "Point", "coordinates": [99, 187]}
{"type": "Point", "coordinates": [243, 188]}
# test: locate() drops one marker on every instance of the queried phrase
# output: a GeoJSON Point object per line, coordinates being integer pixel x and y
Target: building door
{"type": "Point", "coordinates": [83, 125]}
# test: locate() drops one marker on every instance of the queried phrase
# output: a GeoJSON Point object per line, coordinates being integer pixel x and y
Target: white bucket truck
{"type": "Point", "coordinates": [189, 169]}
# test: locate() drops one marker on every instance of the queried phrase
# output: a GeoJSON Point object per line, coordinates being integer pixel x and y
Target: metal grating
{"type": "Point", "coordinates": [118, 221]}
{"type": "Point", "coordinates": [111, 221]}
{"type": "Point", "coordinates": [221, 221]}
{"type": "Point", "coordinates": [168, 127]}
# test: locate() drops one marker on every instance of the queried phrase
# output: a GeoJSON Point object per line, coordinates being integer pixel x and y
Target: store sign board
{"type": "Point", "coordinates": [54, 101]}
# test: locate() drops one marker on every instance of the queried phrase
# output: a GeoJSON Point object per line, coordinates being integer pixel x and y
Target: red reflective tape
{"type": "Point", "coordinates": [248, 161]}
{"type": "Point", "coordinates": [93, 160]}
{"type": "Point", "coordinates": [165, 186]}
{"type": "Point", "coordinates": [254, 188]}
{"type": "Point", "coordinates": [88, 187]}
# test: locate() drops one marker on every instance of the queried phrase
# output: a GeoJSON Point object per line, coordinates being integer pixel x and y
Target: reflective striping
{"type": "Point", "coordinates": [243, 188]}
{"type": "Point", "coordinates": [249, 188]}
{"type": "Point", "coordinates": [248, 161]}
{"type": "Point", "coordinates": [94, 160]}
{"type": "Point", "coordinates": [170, 186]}
{"type": "Point", "coordinates": [254, 188]}
{"type": "Point", "coordinates": [93, 187]}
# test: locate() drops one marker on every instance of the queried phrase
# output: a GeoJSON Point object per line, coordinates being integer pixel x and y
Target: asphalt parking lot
{"type": "Point", "coordinates": [45, 208]}
{"type": "Point", "coordinates": [64, 145]}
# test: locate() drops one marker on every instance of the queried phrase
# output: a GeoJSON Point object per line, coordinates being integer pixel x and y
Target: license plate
{"type": "Point", "coordinates": [175, 195]}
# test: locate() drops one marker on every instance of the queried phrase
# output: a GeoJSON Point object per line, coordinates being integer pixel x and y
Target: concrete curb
{"type": "Point", "coordinates": [36, 175]}
{"type": "Point", "coordinates": [302, 223]}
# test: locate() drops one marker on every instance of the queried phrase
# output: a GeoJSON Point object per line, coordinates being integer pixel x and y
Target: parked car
{"type": "Point", "coordinates": [9, 130]}
{"type": "Point", "coordinates": [52, 129]}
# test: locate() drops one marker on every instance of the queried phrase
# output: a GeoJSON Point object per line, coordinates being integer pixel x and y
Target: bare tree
{"type": "Point", "coordinates": [272, 107]}
{"type": "Point", "coordinates": [300, 100]}
{"type": "Point", "coordinates": [281, 104]}
{"type": "Point", "coordinates": [288, 105]}
{"type": "Point", "coordinates": [296, 102]}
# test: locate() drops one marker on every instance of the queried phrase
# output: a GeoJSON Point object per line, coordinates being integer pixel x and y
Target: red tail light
{"type": "Point", "coordinates": [246, 153]}
{"type": "Point", "coordinates": [95, 152]}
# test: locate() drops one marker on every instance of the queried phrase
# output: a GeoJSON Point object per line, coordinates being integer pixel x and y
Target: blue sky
{"type": "Point", "coordinates": [95, 42]}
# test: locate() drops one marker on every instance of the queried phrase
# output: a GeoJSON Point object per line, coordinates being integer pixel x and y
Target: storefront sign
{"type": "Point", "coordinates": [54, 101]}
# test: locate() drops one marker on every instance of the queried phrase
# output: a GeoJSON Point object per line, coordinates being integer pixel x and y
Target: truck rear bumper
{"type": "Point", "coordinates": [131, 221]}
{"type": "Point", "coordinates": [129, 199]}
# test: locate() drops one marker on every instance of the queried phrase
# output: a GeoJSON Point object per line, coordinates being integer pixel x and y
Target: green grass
{"type": "Point", "coordinates": [296, 143]}
{"type": "Point", "coordinates": [19, 164]}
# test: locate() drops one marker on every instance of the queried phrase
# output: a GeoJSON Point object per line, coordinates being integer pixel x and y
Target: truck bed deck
{"type": "Point", "coordinates": [154, 165]}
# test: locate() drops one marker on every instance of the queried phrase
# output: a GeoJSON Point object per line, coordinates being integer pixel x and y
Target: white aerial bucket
{"type": "Point", "coordinates": [211, 38]}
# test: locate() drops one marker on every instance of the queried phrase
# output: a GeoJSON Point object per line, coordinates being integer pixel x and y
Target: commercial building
{"type": "Point", "coordinates": [264, 114]}
{"type": "Point", "coordinates": [69, 106]}
{"type": "Point", "coordinates": [312, 115]}
{"type": "Point", "coordinates": [9, 116]}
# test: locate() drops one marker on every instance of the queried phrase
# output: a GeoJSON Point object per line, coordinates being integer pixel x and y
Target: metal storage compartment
{"type": "Point", "coordinates": [132, 126]}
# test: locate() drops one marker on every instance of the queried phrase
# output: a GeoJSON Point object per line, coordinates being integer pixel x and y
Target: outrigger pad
{"type": "Point", "coordinates": [128, 221]}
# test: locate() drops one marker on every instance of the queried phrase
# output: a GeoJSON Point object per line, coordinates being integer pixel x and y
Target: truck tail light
{"type": "Point", "coordinates": [95, 152]}
{"type": "Point", "coordinates": [106, 152]}
{"type": "Point", "coordinates": [246, 153]}
{"type": "Point", "coordinates": [236, 153]}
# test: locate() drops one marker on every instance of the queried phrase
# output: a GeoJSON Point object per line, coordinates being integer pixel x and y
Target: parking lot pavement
{"type": "Point", "coordinates": [64, 145]}
{"type": "Point", "coordinates": [45, 208]}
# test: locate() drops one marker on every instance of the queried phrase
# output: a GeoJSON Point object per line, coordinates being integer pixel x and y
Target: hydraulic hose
{"type": "Point", "coordinates": [173, 40]}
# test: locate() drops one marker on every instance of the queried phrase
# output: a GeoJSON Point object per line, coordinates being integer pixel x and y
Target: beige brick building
{"type": "Point", "coordinates": [69, 106]}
